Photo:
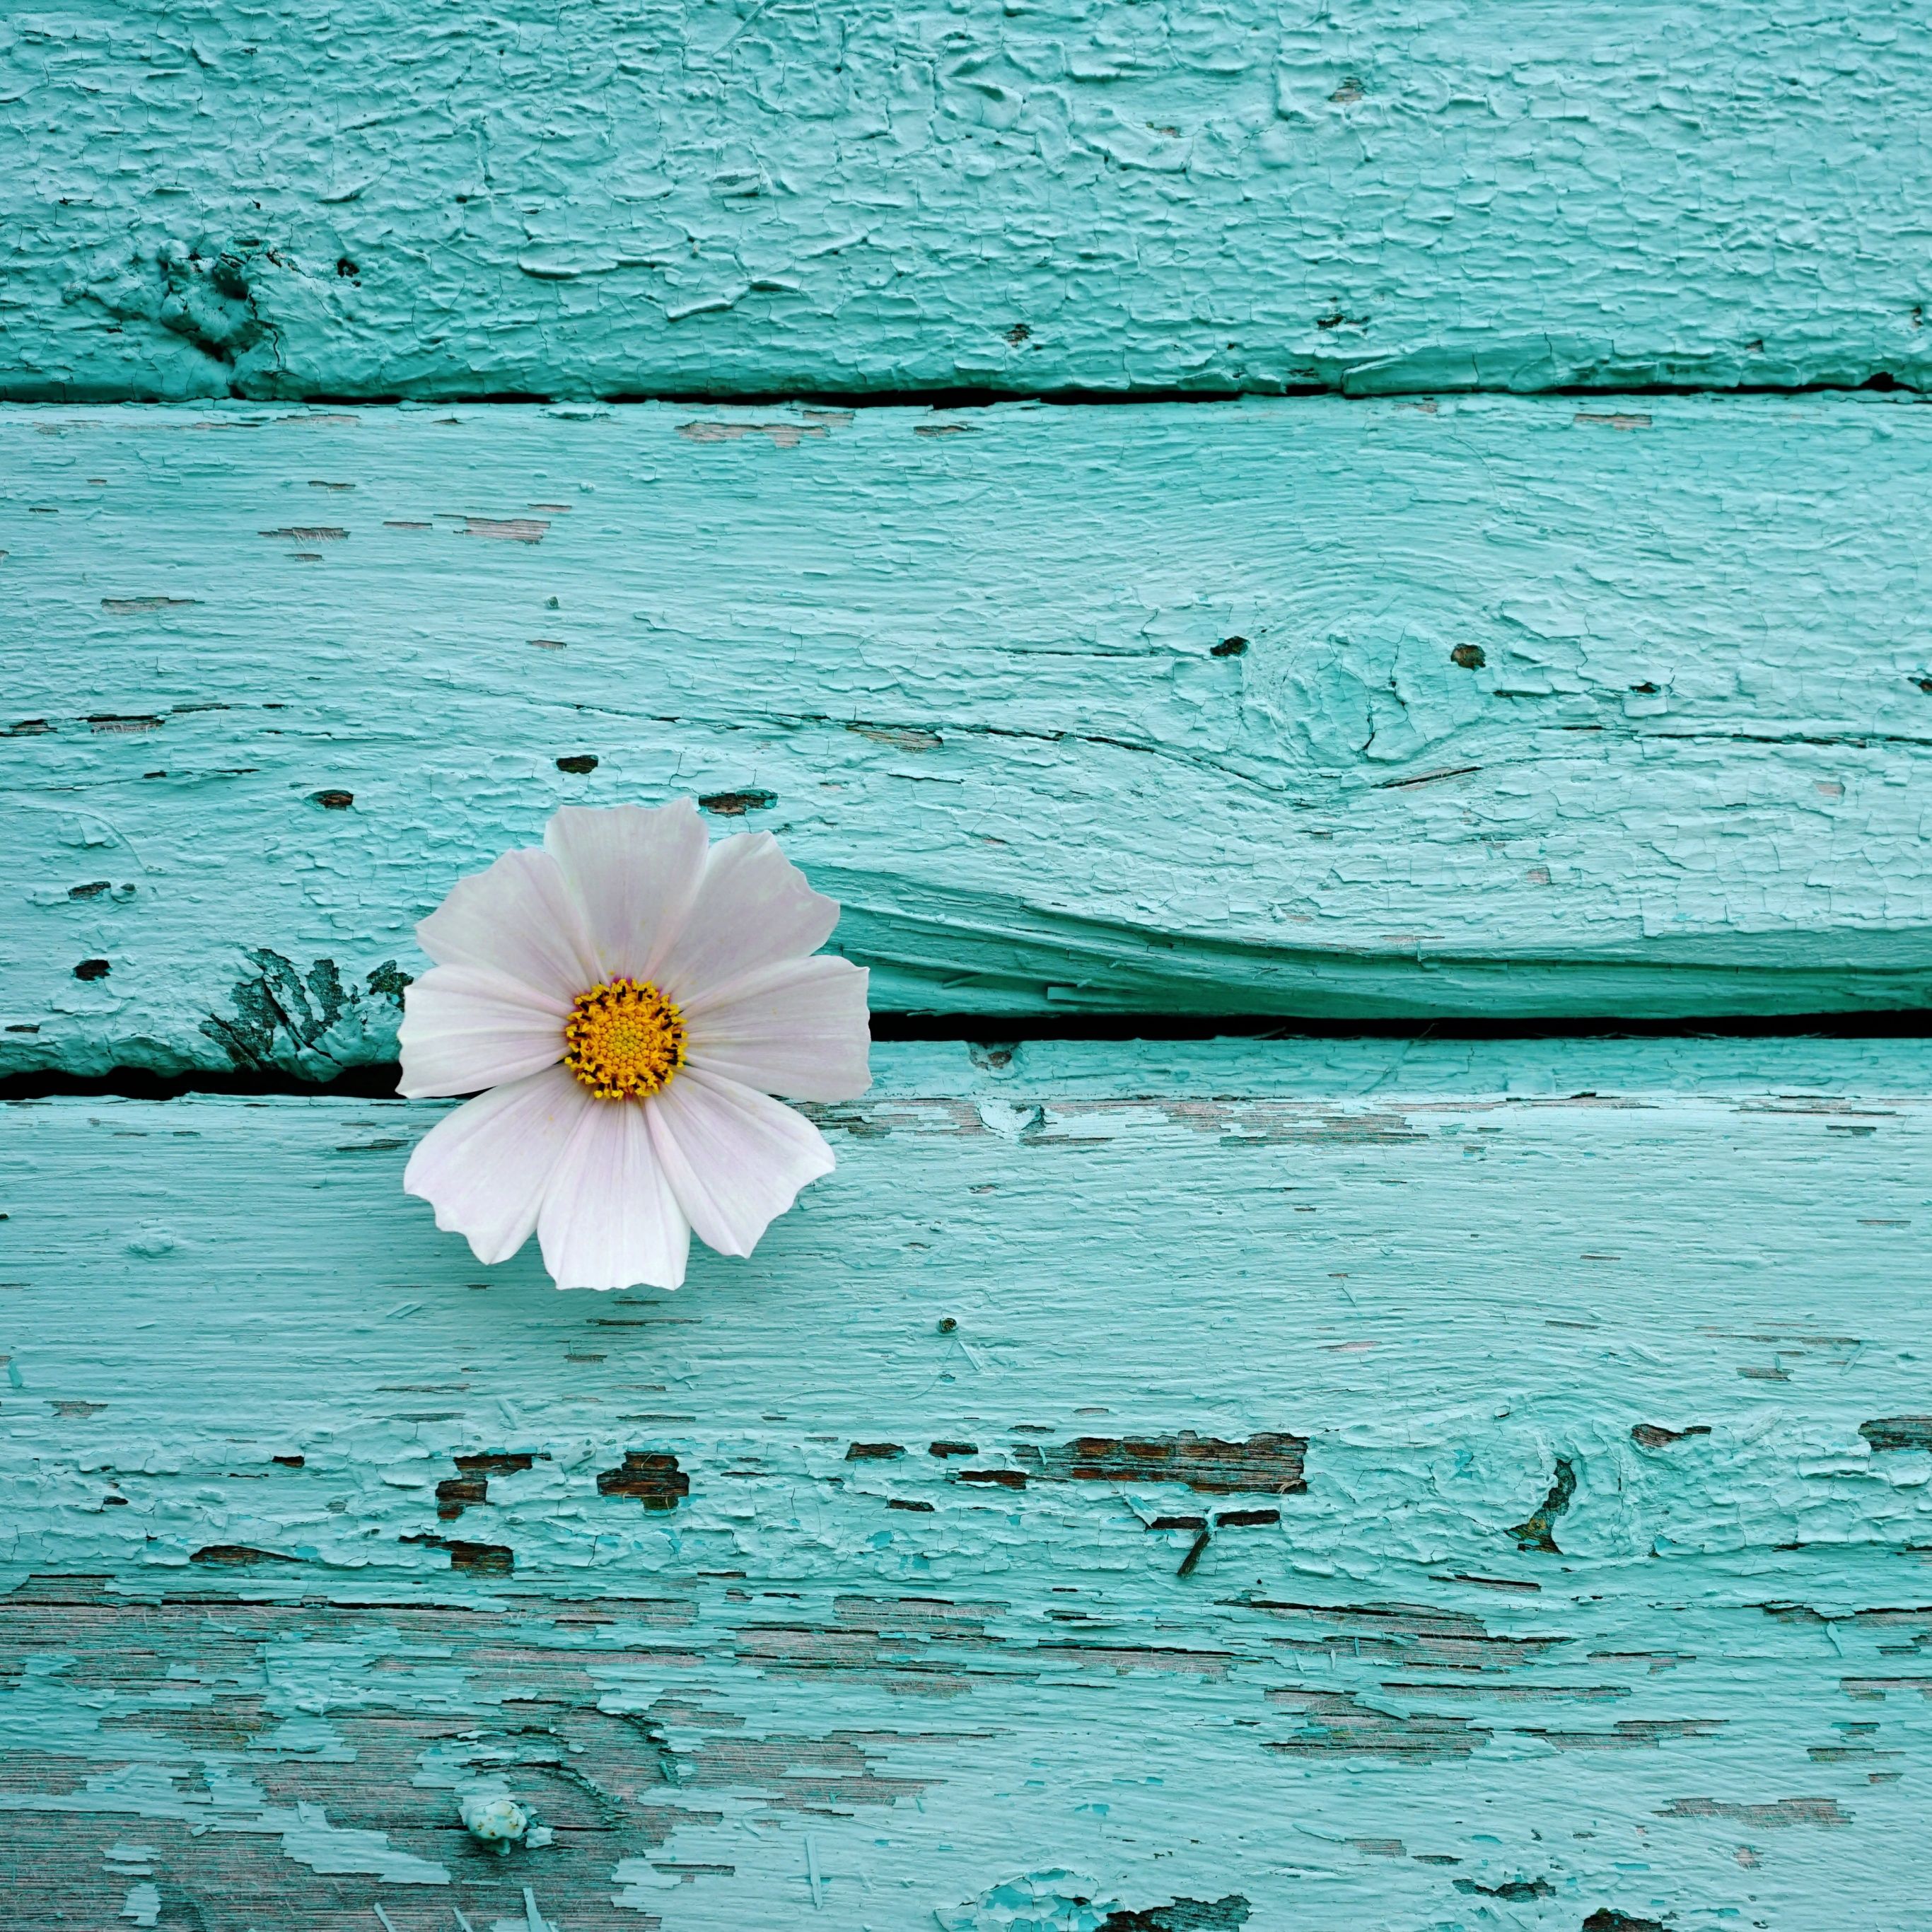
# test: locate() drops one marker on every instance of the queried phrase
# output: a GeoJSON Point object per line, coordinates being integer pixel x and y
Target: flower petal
{"type": "Point", "coordinates": [753, 909]}
{"type": "Point", "coordinates": [518, 918]}
{"type": "Point", "coordinates": [798, 1028]}
{"type": "Point", "coordinates": [634, 872]}
{"type": "Point", "coordinates": [736, 1159]}
{"type": "Point", "coordinates": [484, 1167]}
{"type": "Point", "coordinates": [610, 1219]}
{"type": "Point", "coordinates": [465, 1028]}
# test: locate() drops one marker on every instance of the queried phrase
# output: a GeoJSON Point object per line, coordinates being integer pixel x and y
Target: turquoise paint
{"type": "Point", "coordinates": [1534, 709]}
{"type": "Point", "coordinates": [1567, 1396]}
{"type": "Point", "coordinates": [1387, 1708]}
{"type": "Point", "coordinates": [582, 199]}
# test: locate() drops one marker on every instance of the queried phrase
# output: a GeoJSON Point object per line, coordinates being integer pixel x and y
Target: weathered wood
{"type": "Point", "coordinates": [389, 199]}
{"type": "Point", "coordinates": [1301, 706]}
{"type": "Point", "coordinates": [1555, 1415]}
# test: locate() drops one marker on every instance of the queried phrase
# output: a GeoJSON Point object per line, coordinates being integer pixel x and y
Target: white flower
{"type": "Point", "coordinates": [631, 999]}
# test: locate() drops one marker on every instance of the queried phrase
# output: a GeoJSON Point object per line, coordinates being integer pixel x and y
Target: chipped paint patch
{"type": "Point", "coordinates": [1268, 1464]}
{"type": "Point", "coordinates": [233, 1803]}
{"type": "Point", "coordinates": [507, 530]}
{"type": "Point", "coordinates": [652, 1476]}
{"type": "Point", "coordinates": [315, 1021]}
{"type": "Point", "coordinates": [1060, 1901]}
{"type": "Point", "coordinates": [782, 435]}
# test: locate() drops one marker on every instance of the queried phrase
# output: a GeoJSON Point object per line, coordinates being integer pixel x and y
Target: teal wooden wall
{"type": "Point", "coordinates": [1496, 707]}
{"type": "Point", "coordinates": [688, 197]}
{"type": "Point", "coordinates": [1452, 1480]}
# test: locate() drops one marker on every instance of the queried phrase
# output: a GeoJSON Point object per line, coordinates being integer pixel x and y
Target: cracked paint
{"type": "Point", "coordinates": [310, 1614]}
{"type": "Point", "coordinates": [992, 719]}
{"type": "Point", "coordinates": [759, 201]}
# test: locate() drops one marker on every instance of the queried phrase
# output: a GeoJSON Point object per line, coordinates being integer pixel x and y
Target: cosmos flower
{"type": "Point", "coordinates": [624, 1003]}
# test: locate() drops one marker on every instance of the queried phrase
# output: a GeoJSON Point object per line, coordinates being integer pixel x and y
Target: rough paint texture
{"type": "Point", "coordinates": [1693, 1275]}
{"type": "Point", "coordinates": [379, 200]}
{"type": "Point", "coordinates": [1157, 1488]}
{"type": "Point", "coordinates": [1487, 706]}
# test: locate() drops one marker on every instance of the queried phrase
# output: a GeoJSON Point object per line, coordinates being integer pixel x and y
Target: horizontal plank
{"type": "Point", "coordinates": [579, 200]}
{"type": "Point", "coordinates": [1368, 1484]}
{"type": "Point", "coordinates": [1493, 707]}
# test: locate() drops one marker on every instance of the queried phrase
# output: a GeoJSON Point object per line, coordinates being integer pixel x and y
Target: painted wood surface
{"type": "Point", "coordinates": [380, 200]}
{"type": "Point", "coordinates": [1347, 1486]}
{"type": "Point", "coordinates": [1488, 707]}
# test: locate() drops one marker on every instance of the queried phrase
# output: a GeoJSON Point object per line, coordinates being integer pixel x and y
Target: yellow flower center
{"type": "Point", "coordinates": [623, 1040]}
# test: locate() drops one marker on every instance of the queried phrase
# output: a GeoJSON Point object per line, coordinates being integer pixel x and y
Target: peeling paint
{"type": "Point", "coordinates": [232, 1803]}
{"type": "Point", "coordinates": [314, 1022]}
{"type": "Point", "coordinates": [1270, 1463]}
{"type": "Point", "coordinates": [471, 1484]}
{"type": "Point", "coordinates": [232, 1592]}
{"type": "Point", "coordinates": [1898, 1432]}
{"type": "Point", "coordinates": [769, 200]}
{"type": "Point", "coordinates": [920, 701]}
{"type": "Point", "coordinates": [651, 1476]}
{"type": "Point", "coordinates": [1059, 1901]}
{"type": "Point", "coordinates": [1537, 1532]}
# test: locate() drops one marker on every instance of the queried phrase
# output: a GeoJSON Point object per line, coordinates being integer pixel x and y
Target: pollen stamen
{"type": "Point", "coordinates": [624, 1039]}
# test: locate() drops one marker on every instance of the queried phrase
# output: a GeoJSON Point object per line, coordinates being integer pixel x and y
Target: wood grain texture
{"type": "Point", "coordinates": [1493, 706]}
{"type": "Point", "coordinates": [590, 200]}
{"type": "Point", "coordinates": [1555, 1414]}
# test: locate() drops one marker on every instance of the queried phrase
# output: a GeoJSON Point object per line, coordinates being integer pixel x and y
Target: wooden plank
{"type": "Point", "coordinates": [1496, 707]}
{"type": "Point", "coordinates": [1558, 1425]}
{"type": "Point", "coordinates": [672, 198]}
